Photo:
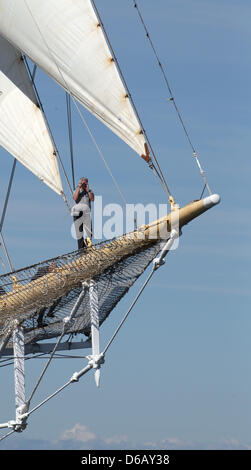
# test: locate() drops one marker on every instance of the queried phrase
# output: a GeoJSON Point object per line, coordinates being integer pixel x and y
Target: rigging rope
{"type": "Point", "coordinates": [6, 362]}
{"type": "Point", "coordinates": [203, 191]}
{"type": "Point", "coordinates": [4, 213]}
{"type": "Point", "coordinates": [78, 109]}
{"type": "Point", "coordinates": [129, 310]}
{"type": "Point", "coordinates": [50, 132]}
{"type": "Point", "coordinates": [3, 263]}
{"type": "Point", "coordinates": [98, 148]}
{"type": "Point", "coordinates": [6, 435]}
{"type": "Point", "coordinates": [152, 166]}
{"type": "Point", "coordinates": [157, 170]}
{"type": "Point", "coordinates": [8, 194]}
{"type": "Point", "coordinates": [44, 356]}
{"type": "Point", "coordinates": [72, 379]}
{"type": "Point", "coordinates": [17, 426]}
{"type": "Point", "coordinates": [172, 99]}
{"type": "Point", "coordinates": [34, 73]}
{"type": "Point", "coordinates": [68, 107]}
{"type": "Point", "coordinates": [77, 375]}
{"type": "Point", "coordinates": [46, 366]}
{"type": "Point", "coordinates": [6, 252]}
{"type": "Point", "coordinates": [66, 321]}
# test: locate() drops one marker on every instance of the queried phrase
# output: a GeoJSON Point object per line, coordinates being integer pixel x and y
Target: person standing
{"type": "Point", "coordinates": [81, 211]}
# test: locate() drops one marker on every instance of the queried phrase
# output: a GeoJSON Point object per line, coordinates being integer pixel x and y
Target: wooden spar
{"type": "Point", "coordinates": [42, 291]}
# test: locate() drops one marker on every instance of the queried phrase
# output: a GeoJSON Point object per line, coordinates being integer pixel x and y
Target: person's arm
{"type": "Point", "coordinates": [76, 194]}
{"type": "Point", "coordinates": [90, 193]}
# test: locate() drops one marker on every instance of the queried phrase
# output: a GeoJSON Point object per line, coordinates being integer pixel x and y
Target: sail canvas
{"type": "Point", "coordinates": [69, 45]}
{"type": "Point", "coordinates": [23, 132]}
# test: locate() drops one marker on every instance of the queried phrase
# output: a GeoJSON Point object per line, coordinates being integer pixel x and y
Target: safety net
{"type": "Point", "coordinates": [40, 296]}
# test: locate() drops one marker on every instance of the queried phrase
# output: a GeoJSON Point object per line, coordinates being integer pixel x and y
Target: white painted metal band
{"type": "Point", "coordinates": [19, 375]}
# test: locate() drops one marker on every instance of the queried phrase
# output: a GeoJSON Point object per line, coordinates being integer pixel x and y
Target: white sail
{"type": "Point", "coordinates": [23, 132]}
{"type": "Point", "coordinates": [64, 38]}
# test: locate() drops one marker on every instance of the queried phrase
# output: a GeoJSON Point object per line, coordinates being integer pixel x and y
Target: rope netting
{"type": "Point", "coordinates": [41, 296]}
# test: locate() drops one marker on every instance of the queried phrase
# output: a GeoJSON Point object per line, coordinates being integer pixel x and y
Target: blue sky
{"type": "Point", "coordinates": [178, 374]}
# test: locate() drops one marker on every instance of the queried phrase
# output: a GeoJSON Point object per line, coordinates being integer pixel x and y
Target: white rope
{"type": "Point", "coordinates": [128, 311]}
{"type": "Point", "coordinates": [77, 375]}
{"type": "Point", "coordinates": [157, 262]}
{"type": "Point", "coordinates": [6, 435]}
{"type": "Point", "coordinates": [73, 379]}
{"type": "Point", "coordinates": [67, 320]}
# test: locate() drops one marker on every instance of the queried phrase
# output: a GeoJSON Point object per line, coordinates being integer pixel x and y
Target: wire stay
{"type": "Point", "coordinates": [69, 119]}
{"type": "Point", "coordinates": [94, 361]}
{"type": "Point", "coordinates": [49, 130]}
{"type": "Point", "coordinates": [172, 98]}
{"type": "Point", "coordinates": [158, 169]}
{"type": "Point", "coordinates": [67, 88]}
{"type": "Point", "coordinates": [152, 166]}
{"type": "Point", "coordinates": [4, 213]}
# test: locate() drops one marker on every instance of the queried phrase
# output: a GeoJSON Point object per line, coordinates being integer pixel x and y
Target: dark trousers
{"type": "Point", "coordinates": [79, 227]}
{"type": "Point", "coordinates": [80, 240]}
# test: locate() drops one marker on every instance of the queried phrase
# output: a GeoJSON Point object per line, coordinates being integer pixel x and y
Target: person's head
{"type": "Point", "coordinates": [84, 182]}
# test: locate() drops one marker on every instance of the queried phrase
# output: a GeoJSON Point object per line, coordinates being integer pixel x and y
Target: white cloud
{"type": "Point", "coordinates": [80, 437]}
{"type": "Point", "coordinates": [116, 440]}
{"type": "Point", "coordinates": [171, 440]}
{"type": "Point", "coordinates": [234, 443]}
{"type": "Point", "coordinates": [79, 432]}
{"type": "Point", "coordinates": [167, 443]}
